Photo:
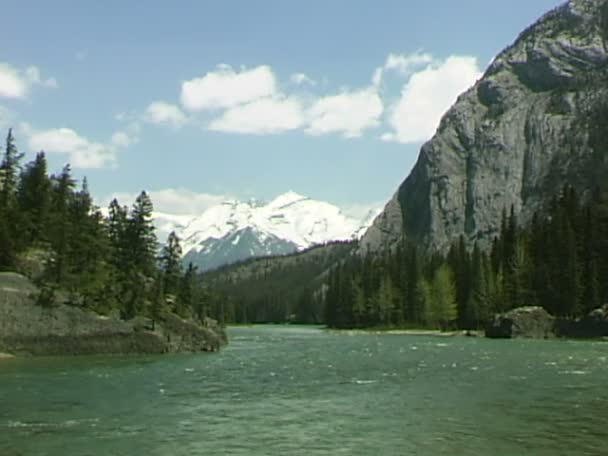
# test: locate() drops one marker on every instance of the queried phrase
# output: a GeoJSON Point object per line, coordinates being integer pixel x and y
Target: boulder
{"type": "Point", "coordinates": [592, 325]}
{"type": "Point", "coordinates": [527, 322]}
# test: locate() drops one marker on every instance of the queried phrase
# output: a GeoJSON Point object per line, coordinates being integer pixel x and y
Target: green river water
{"type": "Point", "coordinates": [304, 391]}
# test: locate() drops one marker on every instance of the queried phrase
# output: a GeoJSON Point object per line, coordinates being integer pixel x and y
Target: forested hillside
{"type": "Point", "coordinates": [51, 231]}
{"type": "Point", "coordinates": [559, 261]}
{"type": "Point", "coordinates": [274, 289]}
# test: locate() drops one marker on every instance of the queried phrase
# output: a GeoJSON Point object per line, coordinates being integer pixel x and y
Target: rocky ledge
{"type": "Point", "coordinates": [27, 328]}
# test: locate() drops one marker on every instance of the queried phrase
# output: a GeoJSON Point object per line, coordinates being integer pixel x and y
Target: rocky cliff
{"type": "Point", "coordinates": [535, 121]}
{"type": "Point", "coordinates": [29, 328]}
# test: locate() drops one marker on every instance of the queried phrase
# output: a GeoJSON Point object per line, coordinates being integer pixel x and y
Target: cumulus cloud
{"type": "Point", "coordinates": [348, 113]}
{"type": "Point", "coordinates": [226, 88]}
{"type": "Point", "coordinates": [162, 113]}
{"type": "Point", "coordinates": [33, 77]}
{"type": "Point", "coordinates": [302, 79]}
{"type": "Point", "coordinates": [405, 63]}
{"type": "Point", "coordinates": [123, 139]}
{"type": "Point", "coordinates": [249, 101]}
{"type": "Point", "coordinates": [263, 116]}
{"type": "Point", "coordinates": [177, 201]}
{"type": "Point", "coordinates": [81, 152]}
{"type": "Point", "coordinates": [15, 83]}
{"type": "Point", "coordinates": [426, 97]}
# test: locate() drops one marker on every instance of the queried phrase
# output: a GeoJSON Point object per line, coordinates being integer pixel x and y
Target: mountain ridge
{"type": "Point", "coordinates": [236, 230]}
{"type": "Point", "coordinates": [525, 129]}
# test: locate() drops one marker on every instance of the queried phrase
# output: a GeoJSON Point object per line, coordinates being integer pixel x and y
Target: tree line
{"type": "Point", "coordinates": [558, 261]}
{"type": "Point", "coordinates": [51, 231]}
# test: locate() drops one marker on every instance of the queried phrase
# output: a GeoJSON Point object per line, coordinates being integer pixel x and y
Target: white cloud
{"type": "Point", "coordinates": [176, 201]}
{"type": "Point", "coordinates": [123, 139]}
{"type": "Point", "coordinates": [301, 79]}
{"type": "Point", "coordinates": [427, 96]}
{"type": "Point", "coordinates": [225, 88]}
{"type": "Point", "coordinates": [15, 83]}
{"type": "Point", "coordinates": [349, 113]}
{"type": "Point", "coordinates": [81, 152]}
{"type": "Point", "coordinates": [404, 64]}
{"type": "Point", "coordinates": [33, 77]}
{"type": "Point", "coordinates": [263, 116]}
{"type": "Point", "coordinates": [162, 113]}
{"type": "Point", "coordinates": [12, 85]}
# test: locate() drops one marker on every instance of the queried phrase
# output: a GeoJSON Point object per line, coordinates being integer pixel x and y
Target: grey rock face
{"type": "Point", "coordinates": [528, 127]}
{"type": "Point", "coordinates": [386, 228]}
{"type": "Point", "coordinates": [526, 322]}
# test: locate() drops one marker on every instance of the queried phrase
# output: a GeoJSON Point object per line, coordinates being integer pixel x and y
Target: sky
{"type": "Point", "coordinates": [200, 101]}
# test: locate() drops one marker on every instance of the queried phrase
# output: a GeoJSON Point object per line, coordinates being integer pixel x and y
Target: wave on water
{"type": "Point", "coordinates": [574, 372]}
{"type": "Point", "coordinates": [61, 424]}
{"type": "Point", "coordinates": [364, 382]}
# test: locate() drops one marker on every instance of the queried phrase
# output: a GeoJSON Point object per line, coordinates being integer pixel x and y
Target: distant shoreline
{"type": "Point", "coordinates": [411, 332]}
{"type": "Point", "coordinates": [378, 331]}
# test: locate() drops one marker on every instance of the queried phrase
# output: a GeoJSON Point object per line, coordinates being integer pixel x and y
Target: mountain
{"type": "Point", "coordinates": [236, 230]}
{"type": "Point", "coordinates": [533, 123]}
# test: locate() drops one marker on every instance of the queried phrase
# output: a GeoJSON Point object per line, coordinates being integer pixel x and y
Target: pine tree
{"type": "Point", "coordinates": [188, 300]}
{"type": "Point", "coordinates": [171, 263]}
{"type": "Point", "coordinates": [141, 237]}
{"type": "Point", "coordinates": [34, 198]}
{"type": "Point", "coordinates": [9, 170]}
{"type": "Point", "coordinates": [61, 195]}
{"type": "Point", "coordinates": [10, 227]}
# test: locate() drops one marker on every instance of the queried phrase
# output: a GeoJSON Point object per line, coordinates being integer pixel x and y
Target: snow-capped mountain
{"type": "Point", "coordinates": [236, 230]}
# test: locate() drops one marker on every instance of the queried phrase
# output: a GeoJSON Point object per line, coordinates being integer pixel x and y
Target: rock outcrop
{"type": "Point", "coordinates": [591, 326]}
{"type": "Point", "coordinates": [29, 328]}
{"type": "Point", "coordinates": [525, 322]}
{"type": "Point", "coordinates": [533, 123]}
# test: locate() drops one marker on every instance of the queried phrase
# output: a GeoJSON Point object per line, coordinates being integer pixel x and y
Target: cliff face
{"type": "Point", "coordinates": [28, 328]}
{"type": "Point", "coordinates": [535, 122]}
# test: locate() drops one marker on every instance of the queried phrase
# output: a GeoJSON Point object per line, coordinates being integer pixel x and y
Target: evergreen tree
{"type": "Point", "coordinates": [61, 195]}
{"type": "Point", "coordinates": [34, 198]}
{"type": "Point", "coordinates": [141, 237]}
{"type": "Point", "coordinates": [171, 263]}
{"type": "Point", "coordinates": [9, 170]}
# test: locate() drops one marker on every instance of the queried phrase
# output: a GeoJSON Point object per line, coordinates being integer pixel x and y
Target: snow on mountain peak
{"type": "Point", "coordinates": [286, 199]}
{"type": "Point", "coordinates": [290, 217]}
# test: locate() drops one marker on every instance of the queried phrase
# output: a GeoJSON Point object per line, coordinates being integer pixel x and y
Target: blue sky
{"type": "Point", "coordinates": [197, 101]}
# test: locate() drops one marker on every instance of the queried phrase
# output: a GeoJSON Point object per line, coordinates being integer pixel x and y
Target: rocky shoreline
{"type": "Point", "coordinates": [27, 328]}
{"type": "Point", "coordinates": [535, 323]}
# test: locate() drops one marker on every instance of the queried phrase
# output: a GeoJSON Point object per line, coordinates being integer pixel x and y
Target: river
{"type": "Point", "coordinates": [291, 390]}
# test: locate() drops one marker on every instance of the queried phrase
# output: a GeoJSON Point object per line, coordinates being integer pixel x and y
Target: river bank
{"type": "Point", "coordinates": [409, 332]}
{"type": "Point", "coordinates": [27, 328]}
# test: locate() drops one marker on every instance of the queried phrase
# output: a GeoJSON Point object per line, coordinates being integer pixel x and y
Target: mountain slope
{"type": "Point", "coordinates": [234, 230]}
{"type": "Point", "coordinates": [532, 124]}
